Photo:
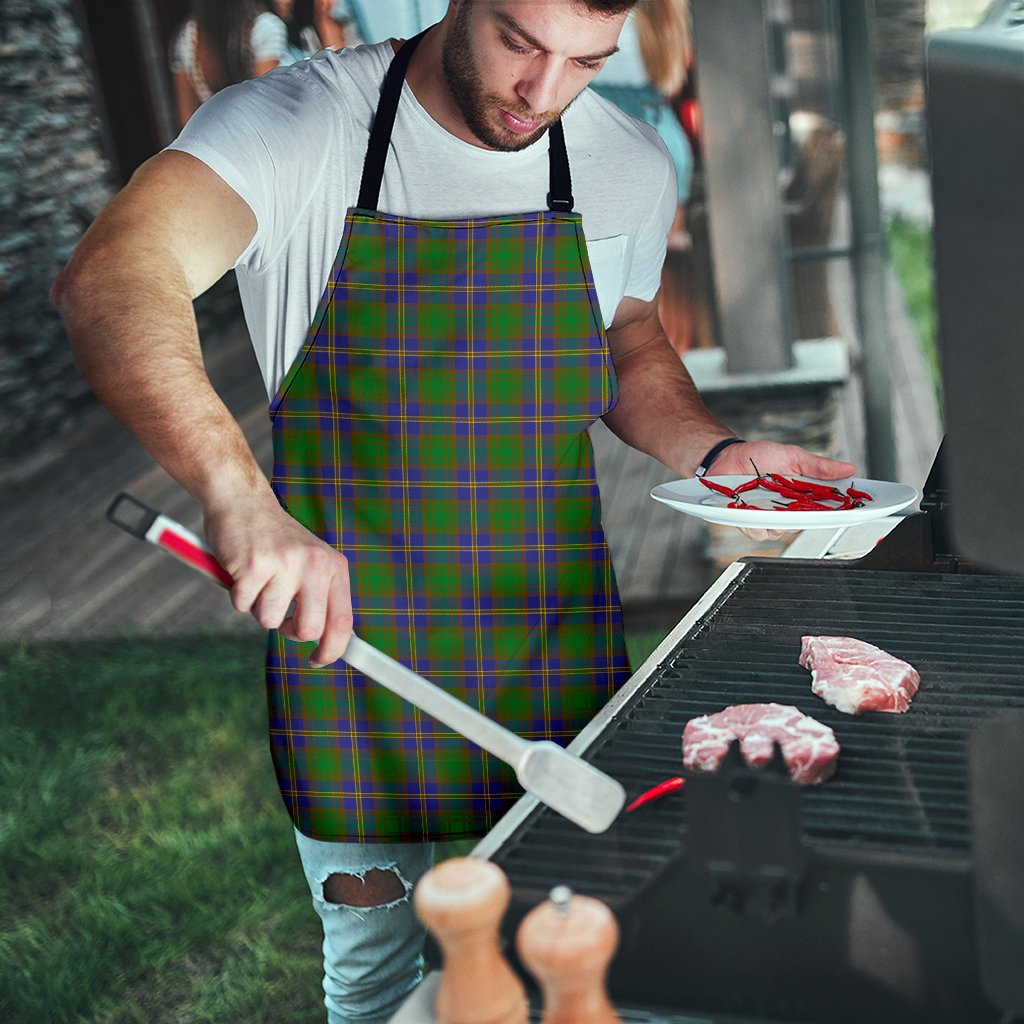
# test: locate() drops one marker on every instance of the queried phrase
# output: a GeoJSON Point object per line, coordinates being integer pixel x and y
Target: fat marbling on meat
{"type": "Point", "coordinates": [854, 676]}
{"type": "Point", "coordinates": [809, 748]}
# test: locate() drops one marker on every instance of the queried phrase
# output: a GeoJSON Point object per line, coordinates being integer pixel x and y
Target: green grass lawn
{"type": "Point", "coordinates": [147, 867]}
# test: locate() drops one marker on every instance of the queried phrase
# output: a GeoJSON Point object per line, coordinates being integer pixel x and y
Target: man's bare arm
{"type": "Point", "coordinates": [126, 299]}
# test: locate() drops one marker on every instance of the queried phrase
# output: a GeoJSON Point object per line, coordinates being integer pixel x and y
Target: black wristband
{"type": "Point", "coordinates": [705, 463]}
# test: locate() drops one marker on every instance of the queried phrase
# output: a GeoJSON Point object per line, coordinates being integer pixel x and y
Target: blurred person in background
{"type": "Point", "coordinates": [314, 25]}
{"type": "Point", "coordinates": [647, 75]}
{"type": "Point", "coordinates": [373, 21]}
{"type": "Point", "coordinates": [645, 78]}
{"type": "Point", "coordinates": [221, 43]}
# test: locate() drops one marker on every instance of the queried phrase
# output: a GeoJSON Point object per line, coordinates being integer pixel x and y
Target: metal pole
{"type": "Point", "coordinates": [741, 165]}
{"type": "Point", "coordinates": [868, 241]}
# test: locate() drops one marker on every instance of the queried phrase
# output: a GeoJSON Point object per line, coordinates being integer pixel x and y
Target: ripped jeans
{"type": "Point", "coordinates": [373, 944]}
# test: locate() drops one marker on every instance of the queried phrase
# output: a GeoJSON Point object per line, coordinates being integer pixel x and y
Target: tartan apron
{"type": "Point", "coordinates": [433, 428]}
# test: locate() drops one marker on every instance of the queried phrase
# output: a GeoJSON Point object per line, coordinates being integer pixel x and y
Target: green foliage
{"type": "Point", "coordinates": [910, 249]}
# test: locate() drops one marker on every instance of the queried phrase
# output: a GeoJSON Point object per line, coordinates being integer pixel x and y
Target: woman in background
{"type": "Point", "coordinates": [645, 79]}
{"type": "Point", "coordinates": [313, 25]}
{"type": "Point", "coordinates": [372, 21]}
{"type": "Point", "coordinates": [221, 43]}
{"type": "Point", "coordinates": [647, 74]}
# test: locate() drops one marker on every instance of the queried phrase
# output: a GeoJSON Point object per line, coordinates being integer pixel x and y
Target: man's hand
{"type": "Point", "coordinates": [285, 577]}
{"type": "Point", "coordinates": [772, 457]}
{"type": "Point", "coordinates": [661, 413]}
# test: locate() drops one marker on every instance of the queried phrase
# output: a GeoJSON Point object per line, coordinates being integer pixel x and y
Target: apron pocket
{"type": "Point", "coordinates": [608, 265]}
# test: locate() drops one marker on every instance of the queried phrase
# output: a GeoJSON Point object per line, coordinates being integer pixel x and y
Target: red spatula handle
{"type": "Point", "coordinates": [147, 524]}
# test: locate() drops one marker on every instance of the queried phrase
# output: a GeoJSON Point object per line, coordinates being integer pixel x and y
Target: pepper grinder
{"type": "Point", "coordinates": [462, 901]}
{"type": "Point", "coordinates": [567, 943]}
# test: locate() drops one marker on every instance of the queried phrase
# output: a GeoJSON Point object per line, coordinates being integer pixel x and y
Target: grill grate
{"type": "Point", "coordinates": [901, 786]}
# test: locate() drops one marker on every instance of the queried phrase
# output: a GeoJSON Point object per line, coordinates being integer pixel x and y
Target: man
{"type": "Point", "coordinates": [431, 387]}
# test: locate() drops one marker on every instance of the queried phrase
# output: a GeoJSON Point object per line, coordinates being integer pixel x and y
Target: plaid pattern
{"type": "Point", "coordinates": [434, 429]}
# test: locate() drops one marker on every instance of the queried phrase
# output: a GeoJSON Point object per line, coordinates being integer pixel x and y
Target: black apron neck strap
{"type": "Point", "coordinates": [560, 198]}
{"type": "Point", "coordinates": [383, 123]}
{"type": "Point", "coordinates": [560, 195]}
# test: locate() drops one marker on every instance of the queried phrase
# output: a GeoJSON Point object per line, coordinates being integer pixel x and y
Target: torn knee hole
{"type": "Point", "coordinates": [373, 889]}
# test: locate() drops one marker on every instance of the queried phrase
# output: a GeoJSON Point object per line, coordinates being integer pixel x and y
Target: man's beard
{"type": "Point", "coordinates": [464, 83]}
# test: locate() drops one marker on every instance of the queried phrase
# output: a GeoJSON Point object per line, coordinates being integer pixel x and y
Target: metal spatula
{"type": "Point", "coordinates": [568, 785]}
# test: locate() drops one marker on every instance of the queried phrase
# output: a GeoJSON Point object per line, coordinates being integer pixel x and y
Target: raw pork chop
{"type": "Point", "coordinates": [855, 677]}
{"type": "Point", "coordinates": [809, 748]}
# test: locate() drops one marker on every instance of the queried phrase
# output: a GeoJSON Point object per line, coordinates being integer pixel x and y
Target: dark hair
{"type": "Point", "coordinates": [225, 27]}
{"type": "Point", "coordinates": [300, 18]}
{"type": "Point", "coordinates": [610, 6]}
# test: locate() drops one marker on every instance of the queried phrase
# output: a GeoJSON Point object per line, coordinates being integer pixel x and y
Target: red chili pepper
{"type": "Point", "coordinates": [786, 492]}
{"type": "Point", "coordinates": [749, 485]}
{"type": "Point", "coordinates": [808, 505]}
{"type": "Point", "coordinates": [656, 792]}
{"type": "Point", "coordinates": [862, 495]}
{"type": "Point", "coordinates": [770, 484]}
{"type": "Point", "coordinates": [793, 485]}
{"type": "Point", "coordinates": [818, 489]}
{"type": "Point", "coordinates": [809, 487]}
{"type": "Point", "coordinates": [728, 492]}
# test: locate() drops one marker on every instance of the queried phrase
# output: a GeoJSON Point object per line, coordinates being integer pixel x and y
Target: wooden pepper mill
{"type": "Point", "coordinates": [567, 943]}
{"type": "Point", "coordinates": [462, 901]}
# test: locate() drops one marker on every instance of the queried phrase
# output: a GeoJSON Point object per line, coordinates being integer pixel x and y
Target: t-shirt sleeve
{"type": "Point", "coordinates": [181, 50]}
{"type": "Point", "coordinates": [268, 139]}
{"type": "Point", "coordinates": [269, 38]}
{"type": "Point", "coordinates": [644, 278]}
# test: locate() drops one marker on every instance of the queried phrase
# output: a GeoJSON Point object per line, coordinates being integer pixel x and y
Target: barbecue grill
{"type": "Point", "coordinates": [894, 892]}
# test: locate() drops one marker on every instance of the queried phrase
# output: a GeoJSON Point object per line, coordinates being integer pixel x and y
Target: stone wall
{"type": "Point", "coordinates": [54, 178]}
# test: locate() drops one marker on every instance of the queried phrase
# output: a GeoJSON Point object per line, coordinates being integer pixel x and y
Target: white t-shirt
{"type": "Point", "coordinates": [292, 144]}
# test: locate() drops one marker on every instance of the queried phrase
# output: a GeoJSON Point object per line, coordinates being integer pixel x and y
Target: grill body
{"type": "Point", "coordinates": [842, 902]}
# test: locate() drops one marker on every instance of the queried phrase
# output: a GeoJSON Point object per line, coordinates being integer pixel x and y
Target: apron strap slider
{"type": "Point", "coordinates": [559, 204]}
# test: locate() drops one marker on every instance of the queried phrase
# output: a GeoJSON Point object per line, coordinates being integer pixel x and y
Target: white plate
{"type": "Point", "coordinates": [693, 498]}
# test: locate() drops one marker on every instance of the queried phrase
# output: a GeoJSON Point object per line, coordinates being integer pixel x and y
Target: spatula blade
{"type": "Point", "coordinates": [574, 788]}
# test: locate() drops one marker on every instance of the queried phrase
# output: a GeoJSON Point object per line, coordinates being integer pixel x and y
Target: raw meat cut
{"type": "Point", "coordinates": [855, 677]}
{"type": "Point", "coordinates": [809, 748]}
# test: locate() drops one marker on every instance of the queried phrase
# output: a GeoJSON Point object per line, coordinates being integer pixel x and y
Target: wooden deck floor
{"type": "Point", "coordinates": [69, 574]}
